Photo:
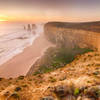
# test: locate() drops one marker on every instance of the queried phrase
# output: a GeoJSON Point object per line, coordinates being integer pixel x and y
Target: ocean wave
{"type": "Point", "coordinates": [15, 42]}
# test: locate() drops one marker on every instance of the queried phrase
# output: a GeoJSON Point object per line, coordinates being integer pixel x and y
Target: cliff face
{"type": "Point", "coordinates": [70, 35]}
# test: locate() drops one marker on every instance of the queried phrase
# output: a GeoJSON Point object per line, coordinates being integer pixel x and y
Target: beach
{"type": "Point", "coordinates": [21, 63]}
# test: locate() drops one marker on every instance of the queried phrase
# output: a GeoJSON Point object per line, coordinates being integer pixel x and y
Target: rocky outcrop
{"type": "Point", "coordinates": [74, 34]}
{"type": "Point", "coordinates": [30, 27]}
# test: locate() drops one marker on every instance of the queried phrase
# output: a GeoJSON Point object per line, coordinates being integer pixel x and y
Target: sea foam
{"type": "Point", "coordinates": [13, 40]}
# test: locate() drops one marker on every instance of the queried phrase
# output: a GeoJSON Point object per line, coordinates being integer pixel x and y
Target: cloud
{"type": "Point", "coordinates": [47, 4]}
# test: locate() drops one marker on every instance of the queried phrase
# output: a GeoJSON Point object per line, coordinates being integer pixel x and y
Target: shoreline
{"type": "Point", "coordinates": [36, 60]}
{"type": "Point", "coordinates": [34, 67]}
{"type": "Point", "coordinates": [21, 63]}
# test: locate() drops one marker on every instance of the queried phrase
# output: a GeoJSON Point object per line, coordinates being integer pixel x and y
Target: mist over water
{"type": "Point", "coordinates": [14, 38]}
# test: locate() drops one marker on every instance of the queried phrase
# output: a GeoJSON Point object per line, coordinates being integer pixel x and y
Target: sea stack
{"type": "Point", "coordinates": [33, 26]}
{"type": "Point", "coordinates": [29, 27]}
{"type": "Point", "coordinates": [24, 28]}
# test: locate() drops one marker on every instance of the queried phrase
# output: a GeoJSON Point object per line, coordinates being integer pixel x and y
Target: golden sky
{"type": "Point", "coordinates": [49, 10]}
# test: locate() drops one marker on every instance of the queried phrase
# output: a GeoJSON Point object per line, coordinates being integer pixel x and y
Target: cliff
{"type": "Point", "coordinates": [74, 34]}
{"type": "Point", "coordinates": [79, 80]}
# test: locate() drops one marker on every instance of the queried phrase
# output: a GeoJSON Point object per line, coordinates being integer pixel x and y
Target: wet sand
{"type": "Point", "coordinates": [21, 63]}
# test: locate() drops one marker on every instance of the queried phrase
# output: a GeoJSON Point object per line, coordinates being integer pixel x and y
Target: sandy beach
{"type": "Point", "coordinates": [21, 63]}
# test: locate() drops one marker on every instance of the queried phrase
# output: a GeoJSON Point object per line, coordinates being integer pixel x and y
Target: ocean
{"type": "Point", "coordinates": [15, 37]}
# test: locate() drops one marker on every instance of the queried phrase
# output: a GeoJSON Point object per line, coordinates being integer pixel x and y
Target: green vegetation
{"type": "Point", "coordinates": [98, 93]}
{"type": "Point", "coordinates": [76, 91]}
{"type": "Point", "coordinates": [59, 57]}
{"type": "Point", "coordinates": [43, 69]}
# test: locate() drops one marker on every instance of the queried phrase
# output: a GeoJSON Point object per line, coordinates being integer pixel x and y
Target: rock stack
{"type": "Point", "coordinates": [30, 27]}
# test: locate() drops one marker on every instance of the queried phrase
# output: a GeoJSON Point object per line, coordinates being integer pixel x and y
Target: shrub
{"type": "Point", "coordinates": [30, 79]}
{"type": "Point", "coordinates": [98, 93]}
{"type": "Point", "coordinates": [43, 69]}
{"type": "Point", "coordinates": [9, 83]}
{"type": "Point", "coordinates": [10, 78]}
{"type": "Point", "coordinates": [25, 85]}
{"type": "Point", "coordinates": [17, 89]}
{"type": "Point", "coordinates": [36, 73]}
{"type": "Point", "coordinates": [16, 81]}
{"type": "Point", "coordinates": [7, 93]}
{"type": "Point", "coordinates": [52, 79]}
{"type": "Point", "coordinates": [76, 91]}
{"type": "Point", "coordinates": [63, 78]}
{"type": "Point", "coordinates": [15, 95]}
{"type": "Point", "coordinates": [96, 73]}
{"type": "Point", "coordinates": [21, 77]}
{"type": "Point", "coordinates": [97, 64]}
{"type": "Point", "coordinates": [1, 79]}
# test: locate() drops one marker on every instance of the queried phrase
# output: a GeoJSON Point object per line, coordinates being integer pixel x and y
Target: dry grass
{"type": "Point", "coordinates": [84, 71]}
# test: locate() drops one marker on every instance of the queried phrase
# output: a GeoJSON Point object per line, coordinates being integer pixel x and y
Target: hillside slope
{"type": "Point", "coordinates": [79, 80]}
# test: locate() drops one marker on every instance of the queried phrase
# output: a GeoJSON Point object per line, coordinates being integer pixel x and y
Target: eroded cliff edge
{"type": "Point", "coordinates": [74, 34]}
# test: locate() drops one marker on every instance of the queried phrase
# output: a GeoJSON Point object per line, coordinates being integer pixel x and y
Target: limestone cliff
{"type": "Point", "coordinates": [74, 34]}
{"type": "Point", "coordinates": [78, 80]}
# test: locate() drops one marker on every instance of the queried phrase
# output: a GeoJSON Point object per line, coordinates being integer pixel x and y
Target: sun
{"type": "Point", "coordinates": [2, 20]}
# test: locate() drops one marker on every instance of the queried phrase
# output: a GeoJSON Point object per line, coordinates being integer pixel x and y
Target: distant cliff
{"type": "Point", "coordinates": [74, 34]}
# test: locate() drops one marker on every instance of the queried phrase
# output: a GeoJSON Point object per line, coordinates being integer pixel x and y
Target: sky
{"type": "Point", "coordinates": [50, 10]}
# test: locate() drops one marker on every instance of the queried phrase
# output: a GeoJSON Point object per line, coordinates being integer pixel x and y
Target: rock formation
{"type": "Point", "coordinates": [33, 26]}
{"type": "Point", "coordinates": [29, 27]}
